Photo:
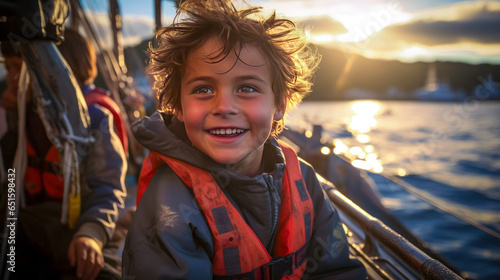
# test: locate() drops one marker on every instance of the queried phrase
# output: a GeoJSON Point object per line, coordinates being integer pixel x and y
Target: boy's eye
{"type": "Point", "coordinates": [247, 89]}
{"type": "Point", "coordinates": [203, 90]}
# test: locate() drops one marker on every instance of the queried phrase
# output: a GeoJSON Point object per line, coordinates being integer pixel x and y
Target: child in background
{"type": "Point", "coordinates": [81, 58]}
{"type": "Point", "coordinates": [46, 248]}
{"type": "Point", "coordinates": [219, 196]}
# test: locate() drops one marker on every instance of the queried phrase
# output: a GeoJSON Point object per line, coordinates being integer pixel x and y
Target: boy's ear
{"type": "Point", "coordinates": [180, 116]}
{"type": "Point", "coordinates": [280, 113]}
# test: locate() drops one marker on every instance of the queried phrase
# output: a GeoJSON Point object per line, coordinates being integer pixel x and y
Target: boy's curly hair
{"type": "Point", "coordinates": [284, 46]}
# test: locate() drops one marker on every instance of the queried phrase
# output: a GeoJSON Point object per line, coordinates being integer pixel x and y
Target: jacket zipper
{"type": "Point", "coordinates": [275, 202]}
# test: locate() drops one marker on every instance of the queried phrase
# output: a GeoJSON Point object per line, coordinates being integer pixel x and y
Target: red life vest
{"type": "Point", "coordinates": [44, 173]}
{"type": "Point", "coordinates": [239, 254]}
{"type": "Point", "coordinates": [99, 96]}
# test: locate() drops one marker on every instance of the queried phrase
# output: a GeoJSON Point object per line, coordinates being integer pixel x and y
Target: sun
{"type": "Point", "coordinates": [413, 52]}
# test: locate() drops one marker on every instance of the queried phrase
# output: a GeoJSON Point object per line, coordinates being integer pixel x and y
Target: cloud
{"type": "Point", "coordinates": [324, 24]}
{"type": "Point", "coordinates": [135, 28]}
{"type": "Point", "coordinates": [464, 31]}
{"type": "Point", "coordinates": [339, 9]}
{"type": "Point", "coordinates": [446, 32]}
{"type": "Point", "coordinates": [472, 22]}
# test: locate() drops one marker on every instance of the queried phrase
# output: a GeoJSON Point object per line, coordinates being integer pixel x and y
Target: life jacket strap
{"type": "Point", "coordinates": [44, 166]}
{"type": "Point", "coordinates": [276, 269]}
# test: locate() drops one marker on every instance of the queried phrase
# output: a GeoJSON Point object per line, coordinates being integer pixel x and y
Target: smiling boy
{"type": "Point", "coordinates": [219, 197]}
{"type": "Point", "coordinates": [228, 107]}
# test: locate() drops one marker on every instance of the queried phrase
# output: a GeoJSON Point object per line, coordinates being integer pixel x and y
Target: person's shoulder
{"type": "Point", "coordinates": [96, 95]}
{"type": "Point", "coordinates": [100, 90]}
{"type": "Point", "coordinates": [98, 112]}
{"type": "Point", "coordinates": [305, 166]}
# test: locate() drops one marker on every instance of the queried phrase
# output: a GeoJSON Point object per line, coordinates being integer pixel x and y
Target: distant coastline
{"type": "Point", "coordinates": [344, 76]}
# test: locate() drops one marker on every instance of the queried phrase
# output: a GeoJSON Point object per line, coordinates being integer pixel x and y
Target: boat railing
{"type": "Point", "coordinates": [385, 253]}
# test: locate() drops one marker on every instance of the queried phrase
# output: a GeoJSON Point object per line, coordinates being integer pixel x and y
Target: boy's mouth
{"type": "Point", "coordinates": [226, 132]}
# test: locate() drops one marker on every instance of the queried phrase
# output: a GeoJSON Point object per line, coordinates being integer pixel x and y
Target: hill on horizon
{"type": "Point", "coordinates": [340, 72]}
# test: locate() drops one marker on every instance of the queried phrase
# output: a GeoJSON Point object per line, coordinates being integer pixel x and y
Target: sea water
{"type": "Point", "coordinates": [449, 152]}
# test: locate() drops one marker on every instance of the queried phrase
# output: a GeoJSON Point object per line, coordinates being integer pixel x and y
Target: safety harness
{"type": "Point", "coordinates": [239, 254]}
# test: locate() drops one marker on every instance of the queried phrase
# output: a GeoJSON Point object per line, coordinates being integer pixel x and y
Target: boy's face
{"type": "Point", "coordinates": [228, 107]}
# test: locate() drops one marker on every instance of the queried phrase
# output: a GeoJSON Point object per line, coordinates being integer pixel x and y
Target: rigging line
{"type": "Point", "coordinates": [99, 29]}
{"type": "Point", "coordinates": [93, 12]}
{"type": "Point", "coordinates": [113, 74]}
{"type": "Point", "coordinates": [108, 55]}
{"type": "Point", "coordinates": [105, 60]}
{"type": "Point", "coordinates": [100, 35]}
{"type": "Point", "coordinates": [438, 204]}
{"type": "Point", "coordinates": [91, 33]}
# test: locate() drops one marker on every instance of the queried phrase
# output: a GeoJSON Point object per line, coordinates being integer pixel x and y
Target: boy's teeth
{"type": "Point", "coordinates": [226, 131]}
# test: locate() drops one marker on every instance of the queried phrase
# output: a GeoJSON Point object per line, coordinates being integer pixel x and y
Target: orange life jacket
{"type": "Point", "coordinates": [99, 96]}
{"type": "Point", "coordinates": [239, 254]}
{"type": "Point", "coordinates": [44, 173]}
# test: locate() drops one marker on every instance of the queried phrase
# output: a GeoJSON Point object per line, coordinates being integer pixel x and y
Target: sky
{"type": "Point", "coordinates": [425, 30]}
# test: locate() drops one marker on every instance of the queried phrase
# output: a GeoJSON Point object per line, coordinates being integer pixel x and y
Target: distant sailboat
{"type": "Point", "coordinates": [436, 90]}
{"type": "Point", "coordinates": [431, 84]}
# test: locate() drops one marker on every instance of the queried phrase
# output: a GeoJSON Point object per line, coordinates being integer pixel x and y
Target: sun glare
{"type": "Point", "coordinates": [364, 20]}
{"type": "Point", "coordinates": [413, 52]}
{"type": "Point", "coordinates": [365, 108]}
{"type": "Point", "coordinates": [363, 120]}
{"type": "Point", "coordinates": [323, 38]}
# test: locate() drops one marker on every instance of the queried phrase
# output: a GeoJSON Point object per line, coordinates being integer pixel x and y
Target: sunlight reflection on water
{"type": "Point", "coordinates": [362, 155]}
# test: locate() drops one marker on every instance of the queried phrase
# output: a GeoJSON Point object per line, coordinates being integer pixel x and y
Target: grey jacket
{"type": "Point", "coordinates": [170, 239]}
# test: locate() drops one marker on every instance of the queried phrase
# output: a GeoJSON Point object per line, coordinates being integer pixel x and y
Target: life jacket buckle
{"type": "Point", "coordinates": [277, 268]}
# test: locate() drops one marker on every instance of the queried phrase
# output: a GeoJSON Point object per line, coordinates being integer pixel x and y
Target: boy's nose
{"type": "Point", "coordinates": [225, 104]}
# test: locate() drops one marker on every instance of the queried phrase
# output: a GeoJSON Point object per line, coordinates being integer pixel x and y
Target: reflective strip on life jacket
{"type": "Point", "coordinates": [99, 96]}
{"type": "Point", "coordinates": [239, 254]}
{"type": "Point", "coordinates": [44, 173]}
